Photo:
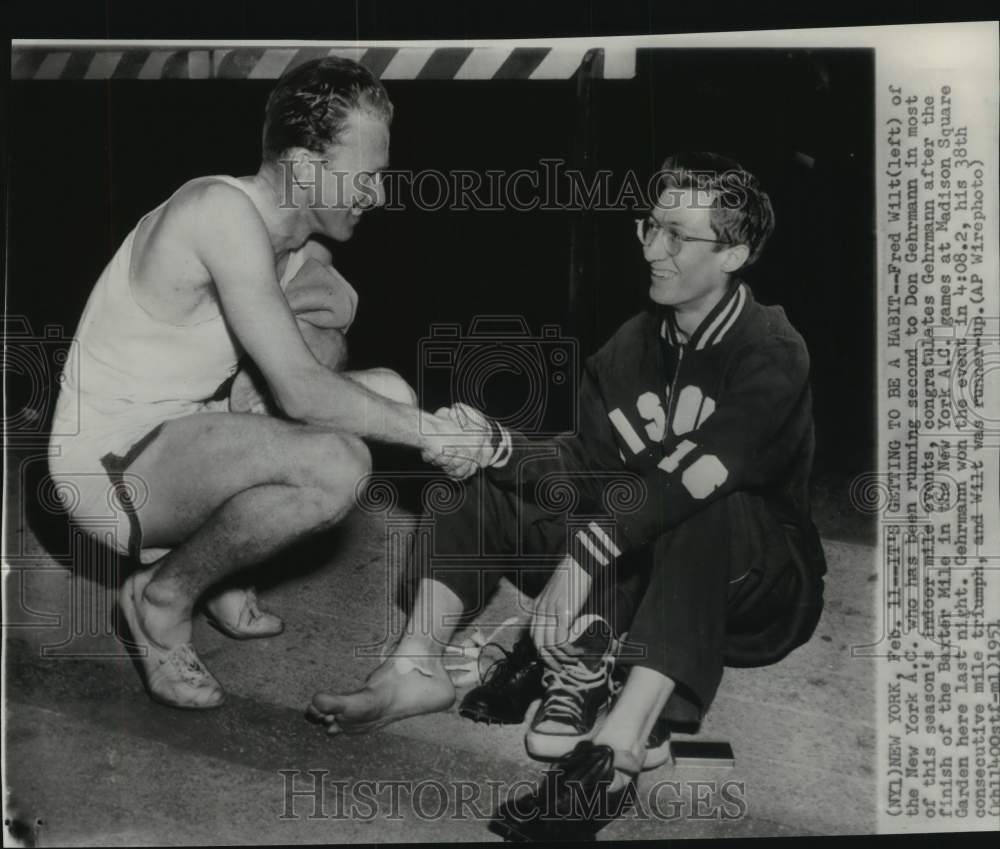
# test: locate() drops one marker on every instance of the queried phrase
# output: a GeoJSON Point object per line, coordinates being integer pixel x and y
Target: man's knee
{"type": "Point", "coordinates": [348, 462]}
{"type": "Point", "coordinates": [387, 383]}
{"type": "Point", "coordinates": [357, 458]}
{"type": "Point", "coordinates": [332, 467]}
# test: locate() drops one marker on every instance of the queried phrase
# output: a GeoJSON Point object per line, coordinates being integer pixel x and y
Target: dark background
{"type": "Point", "coordinates": [87, 159]}
{"type": "Point", "coordinates": [455, 19]}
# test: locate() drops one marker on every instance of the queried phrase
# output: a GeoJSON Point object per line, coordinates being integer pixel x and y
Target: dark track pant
{"type": "Point", "coordinates": [494, 535]}
{"type": "Point", "coordinates": [724, 571]}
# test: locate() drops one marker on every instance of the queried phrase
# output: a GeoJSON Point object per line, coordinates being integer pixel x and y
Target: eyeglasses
{"type": "Point", "coordinates": [648, 229]}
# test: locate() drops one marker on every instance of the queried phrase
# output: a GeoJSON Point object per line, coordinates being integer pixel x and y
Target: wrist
{"type": "Point", "coordinates": [428, 431]}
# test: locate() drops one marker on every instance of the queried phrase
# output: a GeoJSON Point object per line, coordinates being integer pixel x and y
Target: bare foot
{"type": "Point", "coordinates": [399, 688]}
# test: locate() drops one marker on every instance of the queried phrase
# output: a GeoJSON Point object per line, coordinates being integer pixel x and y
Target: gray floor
{"type": "Point", "coordinates": [98, 763]}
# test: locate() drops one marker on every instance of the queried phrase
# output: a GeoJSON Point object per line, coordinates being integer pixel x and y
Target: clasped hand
{"type": "Point", "coordinates": [457, 439]}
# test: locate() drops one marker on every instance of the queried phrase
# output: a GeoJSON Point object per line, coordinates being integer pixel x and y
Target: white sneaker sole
{"type": "Point", "coordinates": [551, 746]}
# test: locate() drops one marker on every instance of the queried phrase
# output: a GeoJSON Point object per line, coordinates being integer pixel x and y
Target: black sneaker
{"type": "Point", "coordinates": [509, 687]}
{"type": "Point", "coordinates": [577, 696]}
{"type": "Point", "coordinates": [573, 801]}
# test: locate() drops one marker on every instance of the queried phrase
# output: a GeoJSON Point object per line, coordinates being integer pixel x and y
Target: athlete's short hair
{"type": "Point", "coordinates": [311, 103]}
{"type": "Point", "coordinates": [741, 212]}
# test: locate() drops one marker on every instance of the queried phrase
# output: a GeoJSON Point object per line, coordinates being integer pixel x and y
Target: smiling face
{"type": "Point", "coordinates": [338, 186]}
{"type": "Point", "coordinates": [696, 277]}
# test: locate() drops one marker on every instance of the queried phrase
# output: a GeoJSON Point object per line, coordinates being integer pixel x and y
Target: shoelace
{"type": "Point", "coordinates": [463, 662]}
{"type": "Point", "coordinates": [566, 689]}
{"type": "Point", "coordinates": [184, 659]}
{"type": "Point", "coordinates": [504, 668]}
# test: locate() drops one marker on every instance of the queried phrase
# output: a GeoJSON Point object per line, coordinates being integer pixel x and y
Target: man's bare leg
{"type": "Point", "coordinates": [236, 608]}
{"type": "Point", "coordinates": [245, 530]}
{"type": "Point", "coordinates": [227, 492]}
{"type": "Point", "coordinates": [411, 681]}
{"type": "Point", "coordinates": [632, 718]}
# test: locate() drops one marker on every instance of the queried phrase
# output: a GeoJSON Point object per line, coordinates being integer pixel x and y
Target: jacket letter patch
{"type": "Point", "coordinates": [704, 476]}
{"type": "Point", "coordinates": [651, 410]}
{"type": "Point", "coordinates": [672, 461]}
{"type": "Point", "coordinates": [692, 409]}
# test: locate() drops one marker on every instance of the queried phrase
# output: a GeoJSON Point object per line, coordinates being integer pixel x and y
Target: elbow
{"type": "Point", "coordinates": [295, 409]}
{"type": "Point", "coordinates": [296, 400]}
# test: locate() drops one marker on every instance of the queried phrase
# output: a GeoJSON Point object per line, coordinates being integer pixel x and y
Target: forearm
{"type": "Point", "coordinates": [329, 399]}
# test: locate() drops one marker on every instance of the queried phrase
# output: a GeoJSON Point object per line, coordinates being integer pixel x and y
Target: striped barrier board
{"type": "Point", "coordinates": [37, 60]}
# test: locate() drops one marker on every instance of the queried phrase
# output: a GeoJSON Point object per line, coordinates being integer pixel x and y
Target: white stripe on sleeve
{"type": "Point", "coordinates": [608, 543]}
{"type": "Point", "coordinates": [597, 554]}
{"type": "Point", "coordinates": [627, 432]}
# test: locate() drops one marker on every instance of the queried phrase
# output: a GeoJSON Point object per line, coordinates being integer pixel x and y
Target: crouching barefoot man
{"type": "Point", "coordinates": [226, 273]}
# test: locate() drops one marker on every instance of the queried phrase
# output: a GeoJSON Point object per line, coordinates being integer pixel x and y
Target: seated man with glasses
{"type": "Point", "coordinates": [703, 401]}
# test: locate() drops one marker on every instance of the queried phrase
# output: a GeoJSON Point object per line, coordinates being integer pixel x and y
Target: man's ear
{"type": "Point", "coordinates": [735, 258]}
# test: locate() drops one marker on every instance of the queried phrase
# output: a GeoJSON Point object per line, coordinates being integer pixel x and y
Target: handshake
{"type": "Point", "coordinates": [461, 440]}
